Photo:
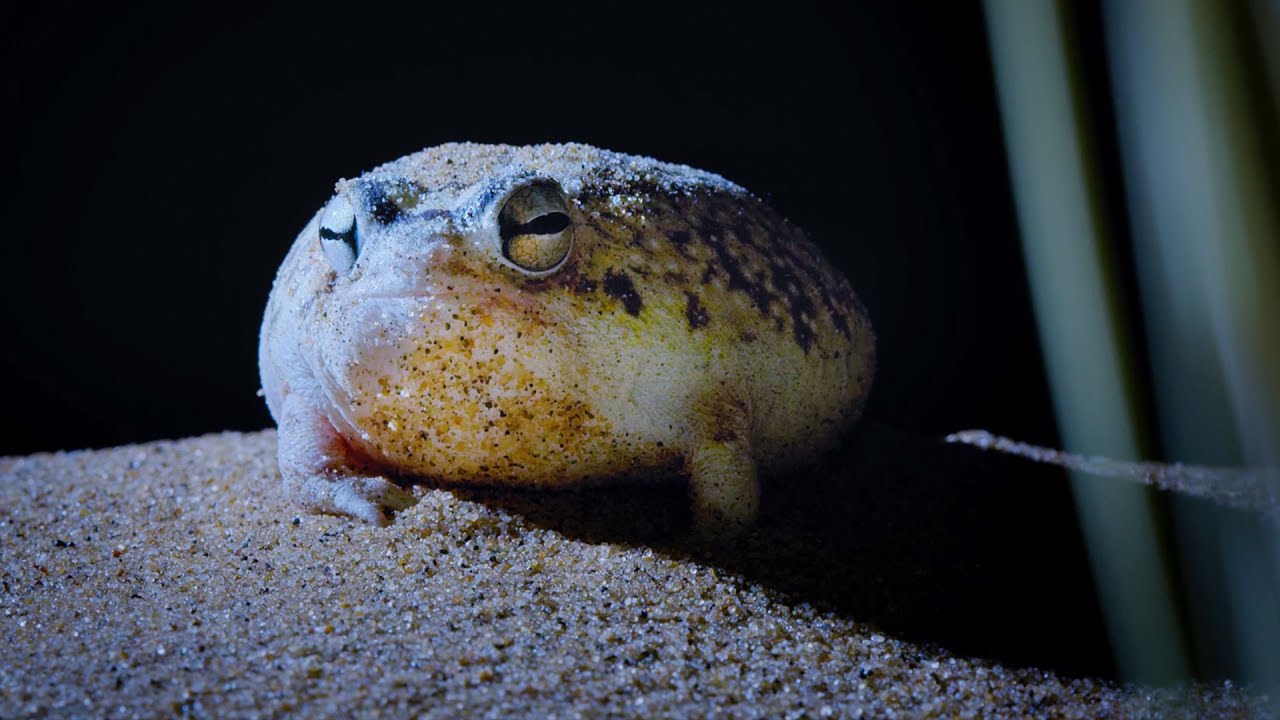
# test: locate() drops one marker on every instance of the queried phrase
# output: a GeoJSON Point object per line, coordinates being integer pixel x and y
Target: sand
{"type": "Point", "coordinates": [172, 578]}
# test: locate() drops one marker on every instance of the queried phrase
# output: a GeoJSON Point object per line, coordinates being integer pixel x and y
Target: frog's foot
{"type": "Point", "coordinates": [722, 472]}
{"type": "Point", "coordinates": [323, 474]}
{"type": "Point", "coordinates": [369, 498]}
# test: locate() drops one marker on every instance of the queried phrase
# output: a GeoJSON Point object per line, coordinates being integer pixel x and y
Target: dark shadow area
{"type": "Point", "coordinates": [944, 546]}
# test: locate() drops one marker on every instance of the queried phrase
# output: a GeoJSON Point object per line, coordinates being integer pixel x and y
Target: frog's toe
{"type": "Point", "coordinates": [372, 499]}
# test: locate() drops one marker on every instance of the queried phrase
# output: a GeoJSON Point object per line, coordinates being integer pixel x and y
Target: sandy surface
{"type": "Point", "coordinates": [172, 579]}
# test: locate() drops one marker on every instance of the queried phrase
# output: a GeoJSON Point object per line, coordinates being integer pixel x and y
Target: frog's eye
{"type": "Point", "coordinates": [339, 235]}
{"type": "Point", "coordinates": [535, 226]}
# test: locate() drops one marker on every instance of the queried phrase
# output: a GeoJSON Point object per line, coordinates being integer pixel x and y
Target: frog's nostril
{"type": "Point", "coordinates": [388, 200]}
{"type": "Point", "coordinates": [382, 207]}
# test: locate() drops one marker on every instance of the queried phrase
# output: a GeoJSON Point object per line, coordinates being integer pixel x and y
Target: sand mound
{"type": "Point", "coordinates": [172, 578]}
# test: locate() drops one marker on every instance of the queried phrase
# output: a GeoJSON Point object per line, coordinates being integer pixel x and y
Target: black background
{"type": "Point", "coordinates": [159, 161]}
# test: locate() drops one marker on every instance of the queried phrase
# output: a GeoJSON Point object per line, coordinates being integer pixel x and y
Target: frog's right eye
{"type": "Point", "coordinates": [339, 234]}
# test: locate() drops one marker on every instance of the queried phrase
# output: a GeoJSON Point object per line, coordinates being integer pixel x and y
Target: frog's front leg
{"type": "Point", "coordinates": [723, 486]}
{"type": "Point", "coordinates": [324, 474]}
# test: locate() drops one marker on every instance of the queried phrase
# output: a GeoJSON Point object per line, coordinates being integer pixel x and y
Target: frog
{"type": "Point", "coordinates": [553, 316]}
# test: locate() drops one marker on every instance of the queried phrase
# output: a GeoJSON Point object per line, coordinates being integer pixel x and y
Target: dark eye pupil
{"type": "Point", "coordinates": [347, 236]}
{"type": "Point", "coordinates": [548, 224]}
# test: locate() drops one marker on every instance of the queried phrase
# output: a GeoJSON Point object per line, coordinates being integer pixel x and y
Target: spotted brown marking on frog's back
{"type": "Point", "coordinates": [618, 285]}
{"type": "Point", "coordinates": [693, 311]}
{"type": "Point", "coordinates": [781, 271]}
{"type": "Point", "coordinates": [720, 242]}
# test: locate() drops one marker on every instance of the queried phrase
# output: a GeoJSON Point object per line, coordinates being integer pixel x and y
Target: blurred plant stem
{"type": "Point", "coordinates": [1193, 125]}
{"type": "Point", "coordinates": [1071, 275]}
{"type": "Point", "coordinates": [1202, 213]}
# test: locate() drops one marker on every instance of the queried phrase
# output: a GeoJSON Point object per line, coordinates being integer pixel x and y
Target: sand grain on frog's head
{"type": "Point", "coordinates": [582, 170]}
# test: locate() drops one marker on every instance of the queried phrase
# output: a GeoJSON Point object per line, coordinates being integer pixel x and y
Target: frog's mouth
{"type": "Point", "coordinates": [455, 292]}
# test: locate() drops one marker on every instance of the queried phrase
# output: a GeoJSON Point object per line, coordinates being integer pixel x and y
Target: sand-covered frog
{"type": "Point", "coordinates": [550, 316]}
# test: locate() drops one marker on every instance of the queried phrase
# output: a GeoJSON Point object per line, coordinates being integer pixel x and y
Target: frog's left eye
{"type": "Point", "coordinates": [535, 226]}
{"type": "Point", "coordinates": [339, 234]}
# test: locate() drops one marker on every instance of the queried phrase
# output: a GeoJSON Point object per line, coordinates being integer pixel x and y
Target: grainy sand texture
{"type": "Point", "coordinates": [173, 579]}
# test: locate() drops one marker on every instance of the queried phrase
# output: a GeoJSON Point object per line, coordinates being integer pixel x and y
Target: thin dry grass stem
{"type": "Point", "coordinates": [1249, 488]}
